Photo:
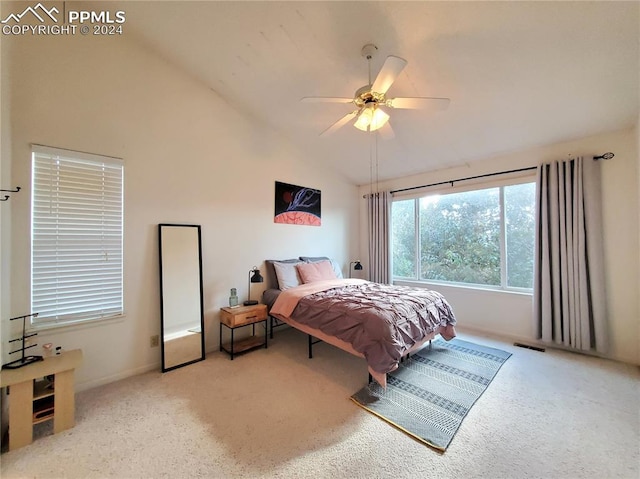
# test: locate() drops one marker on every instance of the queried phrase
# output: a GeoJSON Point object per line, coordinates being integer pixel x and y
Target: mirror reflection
{"type": "Point", "coordinates": [181, 298]}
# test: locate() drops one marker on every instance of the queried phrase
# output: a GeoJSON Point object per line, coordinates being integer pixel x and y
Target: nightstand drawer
{"type": "Point", "coordinates": [234, 317]}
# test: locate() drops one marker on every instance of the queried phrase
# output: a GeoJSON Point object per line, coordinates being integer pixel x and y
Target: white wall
{"type": "Point", "coordinates": [5, 207]}
{"type": "Point", "coordinates": [510, 314]}
{"type": "Point", "coordinates": [5, 226]}
{"type": "Point", "coordinates": [638, 203]}
{"type": "Point", "coordinates": [189, 158]}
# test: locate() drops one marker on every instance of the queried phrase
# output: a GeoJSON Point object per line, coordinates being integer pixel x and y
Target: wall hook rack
{"type": "Point", "coordinates": [6, 197]}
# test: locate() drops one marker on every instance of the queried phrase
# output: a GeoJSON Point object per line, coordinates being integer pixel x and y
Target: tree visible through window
{"type": "Point", "coordinates": [483, 237]}
{"type": "Point", "coordinates": [404, 238]}
{"type": "Point", "coordinates": [520, 210]}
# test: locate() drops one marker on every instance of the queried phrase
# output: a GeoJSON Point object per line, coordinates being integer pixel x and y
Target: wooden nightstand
{"type": "Point", "coordinates": [239, 317]}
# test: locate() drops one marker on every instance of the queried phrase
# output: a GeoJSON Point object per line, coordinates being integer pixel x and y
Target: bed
{"type": "Point", "coordinates": [379, 322]}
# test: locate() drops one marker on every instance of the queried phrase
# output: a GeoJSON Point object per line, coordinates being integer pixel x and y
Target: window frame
{"type": "Point", "coordinates": [416, 195]}
{"type": "Point", "coordinates": [111, 188]}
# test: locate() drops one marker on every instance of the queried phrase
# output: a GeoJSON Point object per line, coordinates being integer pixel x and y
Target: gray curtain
{"type": "Point", "coordinates": [569, 290]}
{"type": "Point", "coordinates": [378, 223]}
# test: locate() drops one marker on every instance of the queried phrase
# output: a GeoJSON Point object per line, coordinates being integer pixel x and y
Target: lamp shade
{"type": "Point", "coordinates": [256, 277]}
{"type": "Point", "coordinates": [371, 118]}
{"type": "Point", "coordinates": [379, 119]}
{"type": "Point", "coordinates": [364, 119]}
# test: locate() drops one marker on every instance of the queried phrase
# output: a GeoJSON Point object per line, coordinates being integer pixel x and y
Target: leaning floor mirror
{"type": "Point", "coordinates": [181, 297]}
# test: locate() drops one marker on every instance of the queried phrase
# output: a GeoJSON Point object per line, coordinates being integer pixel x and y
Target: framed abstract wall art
{"type": "Point", "coordinates": [297, 205]}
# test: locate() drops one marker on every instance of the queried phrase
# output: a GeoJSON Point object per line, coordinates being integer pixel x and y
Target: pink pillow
{"type": "Point", "coordinates": [311, 272]}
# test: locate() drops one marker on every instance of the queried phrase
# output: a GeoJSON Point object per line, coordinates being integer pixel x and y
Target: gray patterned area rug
{"type": "Point", "coordinates": [430, 394]}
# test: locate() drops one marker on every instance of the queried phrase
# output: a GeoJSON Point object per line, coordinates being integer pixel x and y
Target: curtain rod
{"type": "Point", "coordinates": [605, 156]}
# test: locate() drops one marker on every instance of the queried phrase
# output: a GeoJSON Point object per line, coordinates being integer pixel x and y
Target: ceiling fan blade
{"type": "Point", "coordinates": [388, 73]}
{"type": "Point", "coordinates": [386, 132]}
{"type": "Point", "coordinates": [340, 123]}
{"type": "Point", "coordinates": [419, 103]}
{"type": "Point", "coordinates": [325, 99]}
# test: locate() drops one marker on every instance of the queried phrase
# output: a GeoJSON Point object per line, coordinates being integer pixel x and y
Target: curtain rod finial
{"type": "Point", "coordinates": [607, 156]}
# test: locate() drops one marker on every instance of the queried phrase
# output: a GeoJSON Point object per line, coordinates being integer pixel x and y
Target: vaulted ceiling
{"type": "Point", "coordinates": [519, 74]}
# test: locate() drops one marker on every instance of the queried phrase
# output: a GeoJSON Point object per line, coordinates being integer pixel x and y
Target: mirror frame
{"type": "Point", "coordinates": [162, 308]}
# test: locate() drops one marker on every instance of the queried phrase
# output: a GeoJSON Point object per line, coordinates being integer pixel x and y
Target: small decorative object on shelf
{"type": "Point", "coordinates": [23, 360]}
{"type": "Point", "coordinates": [233, 299]}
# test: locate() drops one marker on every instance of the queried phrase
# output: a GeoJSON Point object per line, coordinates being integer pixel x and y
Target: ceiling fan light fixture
{"type": "Point", "coordinates": [364, 119]}
{"type": "Point", "coordinates": [371, 118]}
{"type": "Point", "coordinates": [369, 98]}
{"type": "Point", "coordinates": [379, 119]}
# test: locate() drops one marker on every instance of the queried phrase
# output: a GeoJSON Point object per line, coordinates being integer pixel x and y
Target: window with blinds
{"type": "Point", "coordinates": [76, 236]}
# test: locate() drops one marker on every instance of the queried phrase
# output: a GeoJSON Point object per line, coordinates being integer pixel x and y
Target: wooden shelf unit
{"type": "Point", "coordinates": [43, 400]}
{"type": "Point", "coordinates": [31, 402]}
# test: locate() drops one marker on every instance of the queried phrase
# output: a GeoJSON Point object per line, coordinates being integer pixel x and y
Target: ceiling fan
{"type": "Point", "coordinates": [371, 100]}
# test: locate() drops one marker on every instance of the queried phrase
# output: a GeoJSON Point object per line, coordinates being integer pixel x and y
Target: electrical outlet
{"type": "Point", "coordinates": [155, 341]}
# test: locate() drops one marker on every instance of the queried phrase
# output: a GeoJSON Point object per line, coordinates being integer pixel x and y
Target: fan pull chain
{"type": "Point", "coordinates": [377, 167]}
{"type": "Point", "coordinates": [370, 164]}
{"type": "Point", "coordinates": [374, 177]}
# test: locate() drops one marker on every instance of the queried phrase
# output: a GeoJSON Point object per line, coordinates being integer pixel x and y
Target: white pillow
{"type": "Point", "coordinates": [287, 275]}
{"type": "Point", "coordinates": [336, 269]}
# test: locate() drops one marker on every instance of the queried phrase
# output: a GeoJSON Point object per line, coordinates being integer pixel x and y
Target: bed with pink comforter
{"type": "Point", "coordinates": [380, 322]}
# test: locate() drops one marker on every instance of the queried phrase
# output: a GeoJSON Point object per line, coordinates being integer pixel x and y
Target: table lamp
{"type": "Point", "coordinates": [255, 277]}
{"type": "Point", "coordinates": [357, 267]}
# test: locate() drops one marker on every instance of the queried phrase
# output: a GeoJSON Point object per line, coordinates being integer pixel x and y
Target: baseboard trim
{"type": "Point", "coordinates": [85, 385]}
{"type": "Point", "coordinates": [512, 338]}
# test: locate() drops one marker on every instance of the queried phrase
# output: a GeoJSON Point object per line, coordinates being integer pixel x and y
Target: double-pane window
{"type": "Point", "coordinates": [482, 237]}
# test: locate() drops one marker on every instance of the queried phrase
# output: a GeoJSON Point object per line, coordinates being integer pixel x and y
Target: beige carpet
{"type": "Point", "coordinates": [275, 413]}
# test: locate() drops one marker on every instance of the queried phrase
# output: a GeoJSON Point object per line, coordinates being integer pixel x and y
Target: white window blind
{"type": "Point", "coordinates": [76, 236]}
